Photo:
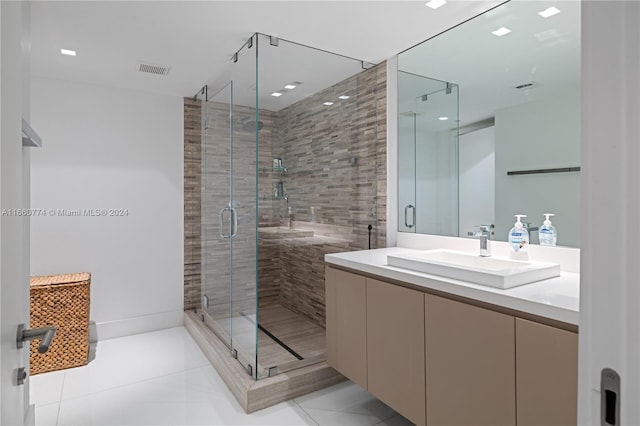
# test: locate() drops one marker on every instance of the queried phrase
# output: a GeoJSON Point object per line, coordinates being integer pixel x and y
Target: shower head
{"type": "Point", "coordinates": [249, 124]}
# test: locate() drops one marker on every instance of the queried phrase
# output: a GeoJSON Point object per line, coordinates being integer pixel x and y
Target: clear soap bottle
{"type": "Point", "coordinates": [519, 239]}
{"type": "Point", "coordinates": [547, 232]}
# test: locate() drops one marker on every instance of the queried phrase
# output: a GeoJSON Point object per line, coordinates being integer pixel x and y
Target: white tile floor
{"type": "Point", "coordinates": [163, 378]}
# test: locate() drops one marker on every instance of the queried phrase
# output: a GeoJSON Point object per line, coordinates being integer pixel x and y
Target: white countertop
{"type": "Point", "coordinates": [555, 298]}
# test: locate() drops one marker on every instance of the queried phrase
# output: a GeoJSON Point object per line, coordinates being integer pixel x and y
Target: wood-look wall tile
{"type": "Point", "coordinates": [336, 161]}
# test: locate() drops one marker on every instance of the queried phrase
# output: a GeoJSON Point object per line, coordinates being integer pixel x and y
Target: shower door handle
{"type": "Point", "coordinates": [222, 234]}
{"type": "Point", "coordinates": [413, 223]}
{"type": "Point", "coordinates": [234, 222]}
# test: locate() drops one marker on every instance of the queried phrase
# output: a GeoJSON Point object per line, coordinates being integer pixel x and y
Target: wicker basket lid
{"type": "Point", "coordinates": [60, 278]}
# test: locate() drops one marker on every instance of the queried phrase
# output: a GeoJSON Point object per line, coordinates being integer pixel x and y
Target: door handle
{"type": "Point", "coordinates": [413, 223]}
{"type": "Point", "coordinates": [234, 222]}
{"type": "Point", "coordinates": [610, 398]}
{"type": "Point", "coordinates": [44, 333]}
{"type": "Point", "coordinates": [221, 216]}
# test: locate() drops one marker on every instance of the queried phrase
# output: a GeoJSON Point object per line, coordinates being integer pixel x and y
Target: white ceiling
{"type": "Point", "coordinates": [487, 68]}
{"type": "Point", "coordinates": [197, 38]}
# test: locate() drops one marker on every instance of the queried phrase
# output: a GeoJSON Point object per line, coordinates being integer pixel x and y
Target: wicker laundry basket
{"type": "Point", "coordinates": [62, 301]}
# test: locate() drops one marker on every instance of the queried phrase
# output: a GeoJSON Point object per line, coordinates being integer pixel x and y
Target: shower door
{"type": "Point", "coordinates": [216, 213]}
{"type": "Point", "coordinates": [243, 205]}
{"type": "Point", "coordinates": [229, 226]}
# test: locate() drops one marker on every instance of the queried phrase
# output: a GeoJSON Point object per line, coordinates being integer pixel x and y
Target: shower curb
{"type": "Point", "coordinates": [253, 394]}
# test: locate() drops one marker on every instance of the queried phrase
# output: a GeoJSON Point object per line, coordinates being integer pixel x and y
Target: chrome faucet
{"type": "Point", "coordinates": [485, 238]}
{"type": "Point", "coordinates": [290, 217]}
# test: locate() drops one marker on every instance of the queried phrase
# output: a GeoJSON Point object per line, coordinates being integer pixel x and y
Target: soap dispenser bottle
{"type": "Point", "coordinates": [547, 232]}
{"type": "Point", "coordinates": [519, 239]}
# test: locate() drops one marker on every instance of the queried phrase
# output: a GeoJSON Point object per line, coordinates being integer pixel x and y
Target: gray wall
{"type": "Point", "coordinates": [537, 136]}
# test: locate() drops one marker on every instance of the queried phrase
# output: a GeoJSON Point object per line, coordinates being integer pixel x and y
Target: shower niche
{"type": "Point", "coordinates": [260, 228]}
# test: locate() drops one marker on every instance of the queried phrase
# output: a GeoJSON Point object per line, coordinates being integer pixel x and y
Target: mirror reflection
{"type": "Point", "coordinates": [508, 82]}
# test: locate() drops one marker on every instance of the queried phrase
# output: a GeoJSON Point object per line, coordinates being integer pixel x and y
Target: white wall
{"type": "Point", "coordinates": [110, 148]}
{"type": "Point", "coordinates": [436, 175]}
{"type": "Point", "coordinates": [477, 179]}
{"type": "Point", "coordinates": [538, 136]}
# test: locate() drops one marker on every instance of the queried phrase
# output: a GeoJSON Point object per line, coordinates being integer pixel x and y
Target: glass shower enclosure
{"type": "Point", "coordinates": [427, 155]}
{"type": "Point", "coordinates": [280, 125]}
{"type": "Point", "coordinates": [229, 210]}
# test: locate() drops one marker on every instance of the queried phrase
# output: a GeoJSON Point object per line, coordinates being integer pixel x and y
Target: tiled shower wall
{"type": "Point", "coordinates": [336, 157]}
{"type": "Point", "coordinates": [206, 165]}
{"type": "Point", "coordinates": [215, 181]}
{"type": "Point", "coordinates": [192, 206]}
{"type": "Point", "coordinates": [336, 161]}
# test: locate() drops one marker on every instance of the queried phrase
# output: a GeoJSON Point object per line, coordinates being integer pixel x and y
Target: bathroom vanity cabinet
{"type": "Point", "coordinates": [374, 340]}
{"type": "Point", "coordinates": [547, 374]}
{"type": "Point", "coordinates": [470, 364]}
{"type": "Point", "coordinates": [346, 324]}
{"type": "Point", "coordinates": [440, 360]}
{"type": "Point", "coordinates": [395, 348]}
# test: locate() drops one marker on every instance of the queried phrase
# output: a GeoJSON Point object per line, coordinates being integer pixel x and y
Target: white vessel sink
{"type": "Point", "coordinates": [490, 271]}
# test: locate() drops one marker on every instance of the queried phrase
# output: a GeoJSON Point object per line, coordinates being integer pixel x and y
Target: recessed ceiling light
{"type": "Point", "coordinates": [501, 31]}
{"type": "Point", "coordinates": [434, 4]}
{"type": "Point", "coordinates": [550, 11]}
{"type": "Point", "coordinates": [343, 97]}
{"type": "Point", "coordinates": [328, 103]}
{"type": "Point", "coordinates": [68, 52]}
{"type": "Point", "coordinates": [276, 94]}
{"type": "Point", "coordinates": [290, 86]}
{"type": "Point", "coordinates": [443, 118]}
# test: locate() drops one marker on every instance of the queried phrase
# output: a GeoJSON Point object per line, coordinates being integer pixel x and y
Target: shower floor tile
{"type": "Point", "coordinates": [271, 354]}
{"type": "Point", "coordinates": [280, 329]}
{"type": "Point", "coordinates": [295, 331]}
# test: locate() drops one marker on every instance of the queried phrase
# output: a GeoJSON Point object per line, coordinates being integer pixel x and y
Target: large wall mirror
{"type": "Point", "coordinates": [489, 124]}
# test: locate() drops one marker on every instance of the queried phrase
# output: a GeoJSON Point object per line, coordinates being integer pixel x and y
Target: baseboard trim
{"type": "Point", "coordinates": [142, 324]}
{"type": "Point", "coordinates": [30, 417]}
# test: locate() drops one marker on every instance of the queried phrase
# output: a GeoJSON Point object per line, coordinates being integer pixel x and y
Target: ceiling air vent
{"type": "Point", "coordinates": [153, 68]}
{"type": "Point", "coordinates": [530, 85]}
